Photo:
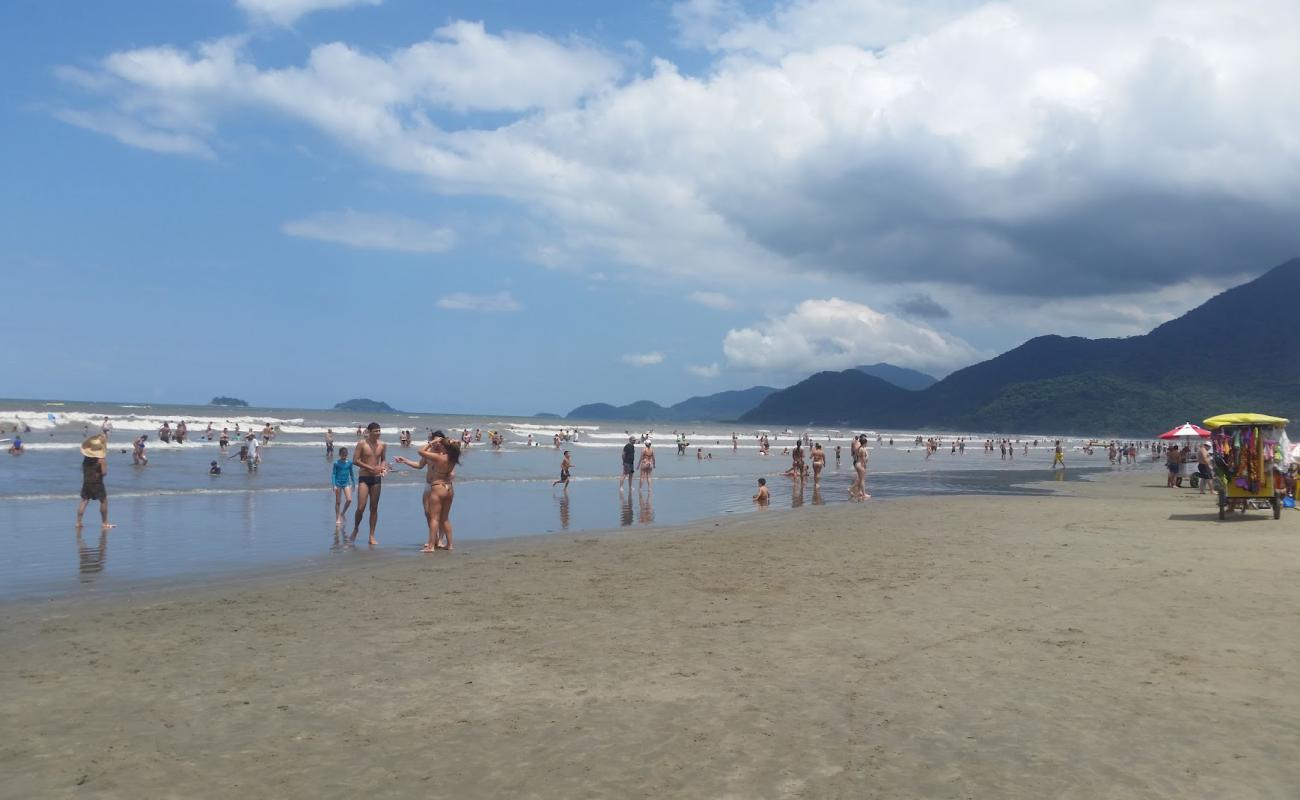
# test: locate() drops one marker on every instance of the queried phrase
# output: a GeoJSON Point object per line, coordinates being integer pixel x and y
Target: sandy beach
{"type": "Point", "coordinates": [1116, 642]}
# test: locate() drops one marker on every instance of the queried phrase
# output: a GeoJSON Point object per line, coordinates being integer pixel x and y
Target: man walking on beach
{"type": "Point", "coordinates": [629, 463]}
{"type": "Point", "coordinates": [94, 466]}
{"type": "Point", "coordinates": [369, 458]}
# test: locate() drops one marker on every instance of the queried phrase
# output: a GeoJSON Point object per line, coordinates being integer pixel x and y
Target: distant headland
{"type": "Point", "coordinates": [365, 404]}
{"type": "Point", "coordinates": [228, 401]}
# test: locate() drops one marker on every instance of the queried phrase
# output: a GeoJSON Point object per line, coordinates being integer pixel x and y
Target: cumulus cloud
{"type": "Point", "coordinates": [838, 334]}
{"type": "Point", "coordinates": [287, 12]}
{"type": "Point", "coordinates": [643, 359]}
{"type": "Point", "coordinates": [922, 306]}
{"type": "Point", "coordinates": [716, 300]}
{"type": "Point", "coordinates": [373, 231]}
{"type": "Point", "coordinates": [1045, 150]}
{"type": "Point", "coordinates": [499, 302]}
{"type": "Point", "coordinates": [704, 371]}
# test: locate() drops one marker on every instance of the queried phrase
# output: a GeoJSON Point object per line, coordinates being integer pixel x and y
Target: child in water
{"type": "Point", "coordinates": [764, 496]}
{"type": "Point", "coordinates": [214, 468]}
{"type": "Point", "coordinates": [343, 479]}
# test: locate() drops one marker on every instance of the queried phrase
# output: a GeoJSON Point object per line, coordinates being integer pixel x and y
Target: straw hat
{"type": "Point", "coordinates": [95, 447]}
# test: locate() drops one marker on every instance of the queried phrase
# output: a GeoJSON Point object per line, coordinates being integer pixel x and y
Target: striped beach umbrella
{"type": "Point", "coordinates": [1186, 431]}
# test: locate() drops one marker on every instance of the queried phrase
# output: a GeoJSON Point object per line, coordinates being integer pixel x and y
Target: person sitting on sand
{"type": "Point", "coordinates": [764, 496]}
{"type": "Point", "coordinates": [94, 466]}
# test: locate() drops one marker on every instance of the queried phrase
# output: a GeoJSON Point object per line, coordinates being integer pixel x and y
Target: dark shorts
{"type": "Point", "coordinates": [370, 480]}
{"type": "Point", "coordinates": [1203, 470]}
{"type": "Point", "coordinates": [628, 469]}
{"type": "Point", "coordinates": [93, 490]}
{"type": "Point", "coordinates": [564, 474]}
{"type": "Point", "coordinates": [1173, 468]}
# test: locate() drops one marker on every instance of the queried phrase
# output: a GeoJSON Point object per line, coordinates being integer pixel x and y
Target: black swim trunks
{"type": "Point", "coordinates": [370, 480]}
{"type": "Point", "coordinates": [628, 468]}
{"type": "Point", "coordinates": [92, 480]}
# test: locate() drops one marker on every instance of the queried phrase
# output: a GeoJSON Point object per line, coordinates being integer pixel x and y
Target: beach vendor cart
{"type": "Point", "coordinates": [1250, 452]}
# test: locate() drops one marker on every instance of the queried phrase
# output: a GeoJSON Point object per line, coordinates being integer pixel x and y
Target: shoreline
{"type": "Point", "coordinates": [1110, 639]}
{"type": "Point", "coordinates": [185, 538]}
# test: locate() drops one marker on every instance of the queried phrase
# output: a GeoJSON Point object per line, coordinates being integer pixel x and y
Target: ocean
{"type": "Point", "coordinates": [178, 524]}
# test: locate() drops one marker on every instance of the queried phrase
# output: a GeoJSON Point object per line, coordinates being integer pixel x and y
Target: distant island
{"type": "Point", "coordinates": [228, 401]}
{"type": "Point", "coordinates": [365, 404]}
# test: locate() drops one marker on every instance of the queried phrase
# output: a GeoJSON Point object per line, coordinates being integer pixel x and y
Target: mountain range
{"type": "Point", "coordinates": [1235, 352]}
{"type": "Point", "coordinates": [729, 405]}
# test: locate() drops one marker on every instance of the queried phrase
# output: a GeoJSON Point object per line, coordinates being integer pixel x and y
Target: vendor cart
{"type": "Point", "coordinates": [1248, 450]}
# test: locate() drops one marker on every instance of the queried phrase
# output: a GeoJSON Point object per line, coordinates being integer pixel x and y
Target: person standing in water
{"type": "Point", "coordinates": [818, 463]}
{"type": "Point", "coordinates": [94, 466]}
{"type": "Point", "coordinates": [137, 451]}
{"type": "Point", "coordinates": [647, 467]}
{"type": "Point", "coordinates": [369, 458]}
{"type": "Point", "coordinates": [1058, 456]}
{"type": "Point", "coordinates": [344, 479]}
{"type": "Point", "coordinates": [858, 491]}
{"type": "Point", "coordinates": [329, 442]}
{"type": "Point", "coordinates": [629, 463]}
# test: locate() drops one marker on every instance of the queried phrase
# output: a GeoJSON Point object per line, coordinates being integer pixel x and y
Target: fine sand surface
{"type": "Point", "coordinates": [1119, 642]}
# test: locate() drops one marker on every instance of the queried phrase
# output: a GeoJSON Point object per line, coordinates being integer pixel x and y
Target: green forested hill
{"type": "Point", "coordinates": [1235, 352]}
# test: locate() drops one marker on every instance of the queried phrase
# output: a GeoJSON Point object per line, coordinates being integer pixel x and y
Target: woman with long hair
{"type": "Point", "coordinates": [443, 455]}
{"type": "Point", "coordinates": [440, 456]}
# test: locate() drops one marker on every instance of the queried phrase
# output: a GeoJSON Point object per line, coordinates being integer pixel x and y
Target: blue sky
{"type": "Point", "coordinates": [512, 207]}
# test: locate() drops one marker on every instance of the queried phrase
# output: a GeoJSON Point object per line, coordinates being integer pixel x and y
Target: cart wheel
{"type": "Point", "coordinates": [1223, 506]}
{"type": "Point", "coordinates": [1277, 508]}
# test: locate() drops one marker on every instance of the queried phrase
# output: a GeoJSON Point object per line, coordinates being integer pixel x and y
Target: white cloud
{"type": "Point", "coordinates": [643, 359]}
{"type": "Point", "coordinates": [716, 300]}
{"type": "Point", "coordinates": [128, 131]}
{"type": "Point", "coordinates": [1017, 147]}
{"type": "Point", "coordinates": [706, 371]}
{"type": "Point", "coordinates": [287, 12]}
{"type": "Point", "coordinates": [838, 334]}
{"type": "Point", "coordinates": [486, 303]}
{"type": "Point", "coordinates": [373, 231]}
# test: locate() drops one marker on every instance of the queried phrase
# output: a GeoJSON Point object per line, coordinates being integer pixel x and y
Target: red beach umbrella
{"type": "Point", "coordinates": [1186, 430]}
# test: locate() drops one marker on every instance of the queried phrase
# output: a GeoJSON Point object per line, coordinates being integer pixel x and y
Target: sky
{"type": "Point", "coordinates": [515, 207]}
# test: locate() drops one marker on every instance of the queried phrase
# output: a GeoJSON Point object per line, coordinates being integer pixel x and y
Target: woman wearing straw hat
{"type": "Point", "coordinates": [94, 466]}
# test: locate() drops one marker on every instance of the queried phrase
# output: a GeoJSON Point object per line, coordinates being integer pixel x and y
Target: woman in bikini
{"type": "Point", "coordinates": [818, 463]}
{"type": "Point", "coordinates": [440, 456]}
{"type": "Point", "coordinates": [859, 489]}
{"type": "Point", "coordinates": [647, 467]}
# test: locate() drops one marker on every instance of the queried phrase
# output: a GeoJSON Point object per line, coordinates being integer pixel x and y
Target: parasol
{"type": "Point", "coordinates": [1244, 419]}
{"type": "Point", "coordinates": [1185, 431]}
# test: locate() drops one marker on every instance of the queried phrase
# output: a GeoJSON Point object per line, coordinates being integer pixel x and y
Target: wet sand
{"type": "Point", "coordinates": [1118, 642]}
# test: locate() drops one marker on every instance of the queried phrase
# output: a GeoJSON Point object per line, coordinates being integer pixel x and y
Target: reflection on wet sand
{"type": "Point", "coordinates": [564, 509]}
{"type": "Point", "coordinates": [91, 559]}
{"type": "Point", "coordinates": [817, 495]}
{"type": "Point", "coordinates": [646, 511]}
{"type": "Point", "coordinates": [796, 494]}
{"type": "Point", "coordinates": [625, 509]}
